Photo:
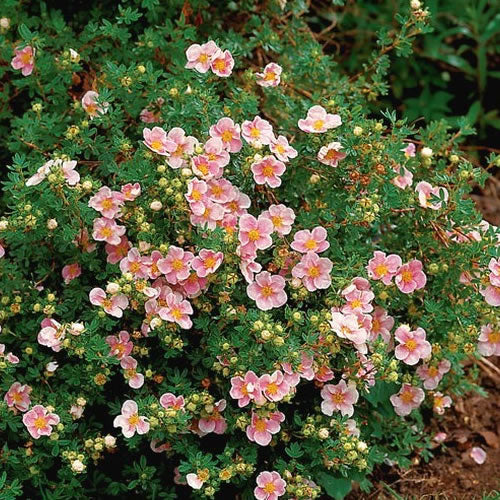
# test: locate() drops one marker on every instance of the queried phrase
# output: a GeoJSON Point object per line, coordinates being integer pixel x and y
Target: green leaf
{"type": "Point", "coordinates": [335, 487]}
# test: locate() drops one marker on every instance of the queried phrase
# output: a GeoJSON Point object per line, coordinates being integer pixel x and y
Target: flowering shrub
{"type": "Point", "coordinates": [222, 274]}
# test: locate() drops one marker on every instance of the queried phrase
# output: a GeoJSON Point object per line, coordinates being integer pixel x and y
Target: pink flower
{"type": "Point", "coordinates": [246, 389]}
{"type": "Point", "coordinates": [52, 334]}
{"type": "Point", "coordinates": [318, 121]}
{"type": "Point", "coordinates": [478, 455]}
{"type": "Point", "coordinates": [282, 218]}
{"type": "Point", "coordinates": [494, 267]}
{"type": "Point", "coordinates": [83, 241]}
{"type": "Point", "coordinates": [67, 168]}
{"type": "Point", "coordinates": [179, 145]}
{"type": "Point", "coordinates": [440, 403]}
{"type": "Point", "coordinates": [24, 59]}
{"type": "Point", "coordinates": [268, 171]}
{"type": "Point", "coordinates": [135, 264]}
{"type": "Point", "coordinates": [248, 268]}
{"type": "Point", "coordinates": [432, 375]}
{"type": "Point", "coordinates": [314, 271]}
{"type": "Point", "coordinates": [176, 265]}
{"type": "Point", "coordinates": [177, 310]}
{"type": "Point", "coordinates": [270, 486]}
{"type": "Point", "coordinates": [71, 176]}
{"type": "Point", "coordinates": [217, 156]}
{"type": "Point", "coordinates": [197, 195]}
{"type": "Point", "coordinates": [255, 232]}
{"type": "Point", "coordinates": [268, 291]}
{"type": "Point", "coordinates": [222, 63]}
{"type": "Point", "coordinates": [199, 57]}
{"type": "Point", "coordinates": [211, 215]}
{"type": "Point", "coordinates": [130, 421]}
{"type": "Point", "coordinates": [156, 140]}
{"type": "Point", "coordinates": [90, 105]}
{"type": "Point", "coordinates": [410, 277]}
{"type": "Point", "coordinates": [131, 191]}
{"type": "Point", "coordinates": [413, 347]}
{"type": "Point", "coordinates": [340, 397]}
{"type": "Point", "coordinates": [220, 191]}
{"type": "Point", "coordinates": [358, 300]}
{"type": "Point", "coordinates": [148, 116]}
{"type": "Point", "coordinates": [403, 180]}
{"type": "Point", "coordinates": [310, 241]}
{"type": "Point", "coordinates": [281, 149]}
{"type": "Point", "coordinates": [409, 150]}
{"type": "Point", "coordinates": [129, 364]}
{"type": "Point", "coordinates": [257, 131]}
{"type": "Point", "coordinates": [491, 294]}
{"type": "Point", "coordinates": [214, 422]}
{"type": "Point", "coordinates": [382, 325]}
{"type": "Point", "coordinates": [169, 400]}
{"type": "Point", "coordinates": [489, 341]}
{"type": "Point", "coordinates": [193, 286]}
{"type": "Point", "coordinates": [346, 326]}
{"type": "Point", "coordinates": [330, 154]}
{"type": "Point", "coordinates": [18, 396]}
{"type": "Point", "coordinates": [207, 262]}
{"type": "Point", "coordinates": [407, 399]}
{"type": "Point", "coordinates": [120, 345]}
{"type": "Point", "coordinates": [113, 306]}
{"type": "Point", "coordinates": [196, 480]}
{"type": "Point", "coordinates": [39, 421]}
{"type": "Point", "coordinates": [107, 230]}
{"type": "Point", "coordinates": [270, 77]}
{"type": "Point", "coordinates": [229, 132]}
{"type": "Point", "coordinates": [426, 192]}
{"type": "Point", "coordinates": [107, 202]}
{"type": "Point", "coordinates": [382, 267]}
{"type": "Point", "coordinates": [274, 387]}
{"type": "Point", "coordinates": [117, 252]}
{"type": "Point", "coordinates": [261, 429]}
{"type": "Point", "coordinates": [204, 168]}
{"type": "Point", "coordinates": [71, 271]}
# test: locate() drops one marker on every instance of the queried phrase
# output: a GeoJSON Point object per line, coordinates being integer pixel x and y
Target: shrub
{"type": "Point", "coordinates": [217, 266]}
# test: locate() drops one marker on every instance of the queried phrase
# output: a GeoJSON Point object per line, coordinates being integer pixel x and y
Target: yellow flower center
{"type": "Point", "coordinates": [255, 132]}
{"type": "Point", "coordinates": [494, 337]}
{"type": "Point", "coordinates": [411, 345]}
{"type": "Point", "coordinates": [135, 267]}
{"type": "Point", "coordinates": [272, 388]}
{"type": "Point", "coordinates": [311, 244]}
{"type": "Point", "coordinates": [220, 65]}
{"type": "Point", "coordinates": [266, 291]}
{"type": "Point", "coordinates": [407, 276]}
{"type": "Point", "coordinates": [269, 488]}
{"type": "Point", "coordinates": [156, 145]}
{"type": "Point", "coordinates": [196, 195]}
{"type": "Point", "coordinates": [25, 57]}
{"type": "Point", "coordinates": [106, 303]}
{"type": "Point", "coordinates": [134, 419]}
{"type": "Point", "coordinates": [318, 124]}
{"type": "Point", "coordinates": [270, 75]}
{"type": "Point", "coordinates": [332, 155]}
{"type": "Point", "coordinates": [381, 270]}
{"type": "Point", "coordinates": [433, 371]}
{"type": "Point", "coordinates": [277, 221]}
{"type": "Point", "coordinates": [217, 190]}
{"type": "Point", "coordinates": [203, 58]}
{"type": "Point", "coordinates": [177, 264]}
{"type": "Point", "coordinates": [355, 304]}
{"type": "Point", "coordinates": [338, 398]}
{"type": "Point", "coordinates": [227, 135]}
{"type": "Point", "coordinates": [406, 397]}
{"type": "Point", "coordinates": [176, 313]}
{"type": "Point", "coordinates": [253, 235]}
{"type": "Point", "coordinates": [106, 232]}
{"type": "Point", "coordinates": [260, 426]}
{"type": "Point", "coordinates": [268, 171]}
{"type": "Point", "coordinates": [209, 262]}
{"type": "Point", "coordinates": [40, 423]}
{"type": "Point", "coordinates": [313, 271]}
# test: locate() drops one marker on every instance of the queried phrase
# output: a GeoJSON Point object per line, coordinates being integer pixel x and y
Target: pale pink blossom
{"type": "Point", "coordinates": [352, 429]}
{"type": "Point", "coordinates": [156, 140]}
{"type": "Point", "coordinates": [217, 155]}
{"type": "Point", "coordinates": [71, 271]}
{"type": "Point", "coordinates": [270, 77]}
{"type": "Point", "coordinates": [193, 285]}
{"type": "Point", "coordinates": [346, 326]}
{"type": "Point", "coordinates": [330, 154]}
{"type": "Point", "coordinates": [382, 325]}
{"type": "Point", "coordinates": [222, 63]}
{"type": "Point", "coordinates": [314, 271]}
{"type": "Point", "coordinates": [246, 389]}
{"type": "Point", "coordinates": [39, 421]}
{"type": "Point", "coordinates": [107, 230]}
{"type": "Point", "coordinates": [311, 241]}
{"type": "Point", "coordinates": [426, 192]}
{"type": "Point", "coordinates": [197, 195]}
{"type": "Point", "coordinates": [440, 402]}
{"type": "Point", "coordinates": [24, 59]}
{"type": "Point", "coordinates": [114, 305]}
{"type": "Point", "coordinates": [357, 300]}
{"type": "Point", "coordinates": [410, 277]}
{"type": "Point", "coordinates": [282, 150]}
{"type": "Point", "coordinates": [268, 291]}
{"type": "Point", "coordinates": [274, 386]}
{"type": "Point", "coordinates": [212, 214]}
{"type": "Point", "coordinates": [255, 232]}
{"type": "Point", "coordinates": [489, 341]}
{"type": "Point", "coordinates": [249, 268]}
{"type": "Point", "coordinates": [239, 203]}
{"type": "Point", "coordinates": [18, 396]}
{"type": "Point", "coordinates": [176, 265]}
{"type": "Point", "coordinates": [177, 310]}
{"type": "Point", "coordinates": [282, 218]}
{"type": "Point", "coordinates": [207, 262]}
{"type": "Point", "coordinates": [90, 105]}
{"type": "Point", "coordinates": [478, 455]}
{"type": "Point", "coordinates": [153, 270]}
{"type": "Point", "coordinates": [383, 267]}
{"type": "Point", "coordinates": [220, 191]}
{"type": "Point", "coordinates": [268, 171]}
{"type": "Point", "coordinates": [257, 131]}
{"type": "Point", "coordinates": [214, 422]}
{"type": "Point", "coordinates": [407, 399]}
{"type": "Point", "coordinates": [115, 253]}
{"type": "Point", "coordinates": [134, 379]}
{"type": "Point", "coordinates": [404, 179]}
{"type": "Point", "coordinates": [9, 357]}
{"type": "Point", "coordinates": [107, 202]}
{"type": "Point", "coordinates": [339, 397]}
{"type": "Point", "coordinates": [135, 264]}
{"type": "Point", "coordinates": [131, 191]}
{"type": "Point", "coordinates": [323, 373]}
{"type": "Point", "coordinates": [199, 57]}
{"type": "Point", "coordinates": [409, 150]}
{"type": "Point", "coordinates": [120, 345]}
{"type": "Point", "coordinates": [319, 121]}
{"type": "Point", "coordinates": [197, 480]}
{"type": "Point", "coordinates": [67, 168]}
{"type": "Point", "coordinates": [412, 345]}
{"type": "Point", "coordinates": [432, 374]}
{"type": "Point", "coordinates": [229, 132]}
{"type": "Point", "coordinates": [491, 294]}
{"type": "Point", "coordinates": [130, 421]}
{"type": "Point", "coordinates": [261, 429]}
{"type": "Point", "coordinates": [169, 400]}
{"type": "Point", "coordinates": [204, 168]}
{"type": "Point", "coordinates": [270, 486]}
{"type": "Point", "coordinates": [179, 146]}
{"type": "Point", "coordinates": [52, 334]}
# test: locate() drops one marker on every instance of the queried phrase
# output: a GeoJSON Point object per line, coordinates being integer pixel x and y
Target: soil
{"type": "Point", "coordinates": [452, 474]}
